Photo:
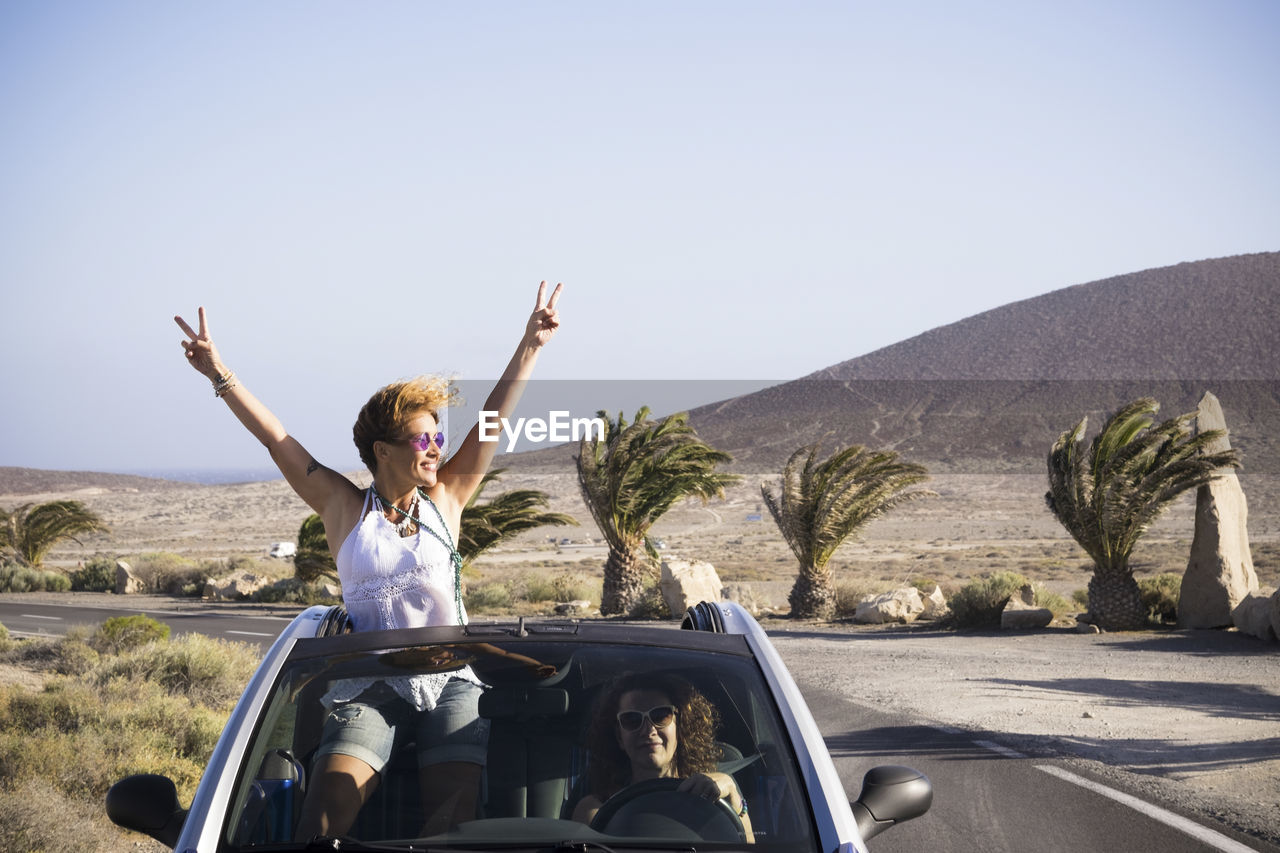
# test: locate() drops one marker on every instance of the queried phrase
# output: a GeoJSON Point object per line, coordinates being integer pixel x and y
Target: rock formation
{"type": "Point", "coordinates": [685, 583]}
{"type": "Point", "coordinates": [1220, 569]}
{"type": "Point", "coordinates": [127, 583]}
{"type": "Point", "coordinates": [900, 605]}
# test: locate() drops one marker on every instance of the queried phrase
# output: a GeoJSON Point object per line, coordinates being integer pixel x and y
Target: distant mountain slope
{"type": "Point", "coordinates": [35, 481]}
{"type": "Point", "coordinates": [1215, 319]}
{"type": "Point", "coordinates": [994, 391]}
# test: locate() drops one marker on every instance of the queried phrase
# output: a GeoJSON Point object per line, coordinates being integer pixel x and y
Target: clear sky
{"type": "Point", "coordinates": [362, 191]}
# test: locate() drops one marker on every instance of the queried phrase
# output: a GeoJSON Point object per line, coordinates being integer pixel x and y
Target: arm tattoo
{"type": "Point", "coordinates": [313, 467]}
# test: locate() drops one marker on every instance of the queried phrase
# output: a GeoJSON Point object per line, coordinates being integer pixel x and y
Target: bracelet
{"type": "Point", "coordinates": [743, 811]}
{"type": "Point", "coordinates": [223, 384]}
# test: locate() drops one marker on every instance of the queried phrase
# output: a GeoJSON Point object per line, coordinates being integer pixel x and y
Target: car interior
{"type": "Point", "coordinates": [537, 755]}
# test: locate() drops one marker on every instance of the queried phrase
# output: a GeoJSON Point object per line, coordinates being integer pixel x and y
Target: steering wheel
{"type": "Point", "coordinates": [654, 808]}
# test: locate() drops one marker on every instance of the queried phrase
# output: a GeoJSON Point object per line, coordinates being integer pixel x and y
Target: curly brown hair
{"type": "Point", "coordinates": [697, 720]}
{"type": "Point", "coordinates": [394, 405]}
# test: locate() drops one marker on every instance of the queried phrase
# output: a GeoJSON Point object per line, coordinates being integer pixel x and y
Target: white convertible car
{"type": "Point", "coordinates": [250, 796]}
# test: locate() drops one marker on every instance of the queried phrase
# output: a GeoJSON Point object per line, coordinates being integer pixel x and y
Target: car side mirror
{"type": "Point", "coordinates": [891, 794]}
{"type": "Point", "coordinates": [148, 804]}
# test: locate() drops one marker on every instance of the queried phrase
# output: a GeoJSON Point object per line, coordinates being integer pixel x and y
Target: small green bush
{"type": "Point", "coordinates": [537, 588]}
{"type": "Point", "coordinates": [121, 633]}
{"type": "Point", "coordinates": [488, 596]}
{"type": "Point", "coordinates": [15, 578]}
{"type": "Point", "coordinates": [97, 575]}
{"type": "Point", "coordinates": [169, 573]}
{"type": "Point", "coordinates": [295, 591]}
{"type": "Point", "coordinates": [1160, 596]}
{"type": "Point", "coordinates": [650, 604]}
{"type": "Point", "coordinates": [572, 586]}
{"type": "Point", "coordinates": [979, 603]}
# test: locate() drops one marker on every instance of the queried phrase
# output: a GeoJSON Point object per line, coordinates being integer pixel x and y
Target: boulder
{"type": "Point", "coordinates": [899, 605]}
{"type": "Point", "coordinates": [127, 583]}
{"type": "Point", "coordinates": [1253, 616]}
{"type": "Point", "coordinates": [235, 587]}
{"type": "Point", "coordinates": [1219, 573]}
{"type": "Point", "coordinates": [685, 583]}
{"type": "Point", "coordinates": [745, 595]}
{"type": "Point", "coordinates": [935, 604]}
{"type": "Point", "coordinates": [1018, 614]}
{"type": "Point", "coordinates": [577, 607]}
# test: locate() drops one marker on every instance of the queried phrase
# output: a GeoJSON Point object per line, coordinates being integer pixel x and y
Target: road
{"type": "Point", "coordinates": [987, 797]}
{"type": "Point", "coordinates": [31, 619]}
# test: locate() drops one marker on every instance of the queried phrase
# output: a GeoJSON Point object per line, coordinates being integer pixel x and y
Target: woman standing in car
{"type": "Point", "coordinates": [395, 547]}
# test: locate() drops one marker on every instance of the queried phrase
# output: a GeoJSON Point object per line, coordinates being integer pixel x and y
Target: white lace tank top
{"type": "Point", "coordinates": [391, 581]}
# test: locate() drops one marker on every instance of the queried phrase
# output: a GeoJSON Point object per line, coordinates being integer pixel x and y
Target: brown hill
{"type": "Point", "coordinates": [993, 391]}
{"type": "Point", "coordinates": [35, 481]}
{"type": "Point", "coordinates": [1215, 319]}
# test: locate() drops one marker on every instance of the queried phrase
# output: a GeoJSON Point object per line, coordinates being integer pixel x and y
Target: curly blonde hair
{"type": "Point", "coordinates": [391, 407]}
{"type": "Point", "coordinates": [697, 720]}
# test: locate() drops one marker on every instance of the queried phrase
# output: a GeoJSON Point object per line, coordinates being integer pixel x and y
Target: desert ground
{"type": "Point", "coordinates": [1189, 715]}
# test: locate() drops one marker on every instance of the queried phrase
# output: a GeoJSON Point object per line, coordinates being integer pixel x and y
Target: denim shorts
{"type": "Point", "coordinates": [373, 725]}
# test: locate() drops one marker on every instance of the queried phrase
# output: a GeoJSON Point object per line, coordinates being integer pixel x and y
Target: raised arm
{"type": "Point", "coordinates": [314, 483]}
{"type": "Point", "coordinates": [461, 476]}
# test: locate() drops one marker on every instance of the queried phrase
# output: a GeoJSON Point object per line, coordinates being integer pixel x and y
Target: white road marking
{"type": "Point", "coordinates": [998, 749]}
{"type": "Point", "coordinates": [249, 633]}
{"type": "Point", "coordinates": [33, 616]}
{"type": "Point", "coordinates": [1216, 840]}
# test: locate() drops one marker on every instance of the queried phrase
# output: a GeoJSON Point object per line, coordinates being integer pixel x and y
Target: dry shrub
{"type": "Point", "coordinates": [979, 603]}
{"type": "Point", "coordinates": [573, 586]}
{"type": "Point", "coordinates": [35, 815]}
{"type": "Point", "coordinates": [1160, 595]}
{"type": "Point", "coordinates": [202, 669]}
{"type": "Point", "coordinates": [848, 594]}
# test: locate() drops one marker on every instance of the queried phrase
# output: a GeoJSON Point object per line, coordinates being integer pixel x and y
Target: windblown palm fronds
{"type": "Point", "coordinates": [485, 525]}
{"type": "Point", "coordinates": [32, 529]}
{"type": "Point", "coordinates": [820, 504]}
{"type": "Point", "coordinates": [1108, 496]}
{"type": "Point", "coordinates": [629, 478]}
{"type": "Point", "coordinates": [313, 561]}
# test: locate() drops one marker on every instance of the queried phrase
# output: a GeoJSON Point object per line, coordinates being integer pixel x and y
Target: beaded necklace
{"type": "Point", "coordinates": [454, 557]}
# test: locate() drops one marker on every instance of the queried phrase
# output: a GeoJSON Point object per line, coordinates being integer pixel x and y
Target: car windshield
{"type": "Point", "coordinates": [540, 698]}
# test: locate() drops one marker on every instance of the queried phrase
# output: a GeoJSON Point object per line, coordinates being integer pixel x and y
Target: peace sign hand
{"type": "Point", "coordinates": [545, 319]}
{"type": "Point", "coordinates": [201, 353]}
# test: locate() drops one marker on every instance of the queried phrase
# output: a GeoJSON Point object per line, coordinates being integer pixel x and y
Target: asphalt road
{"type": "Point", "coordinates": [987, 797]}
{"type": "Point", "coordinates": [28, 618]}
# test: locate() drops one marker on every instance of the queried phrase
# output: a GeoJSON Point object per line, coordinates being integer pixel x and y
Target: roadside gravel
{"type": "Point", "coordinates": [1191, 718]}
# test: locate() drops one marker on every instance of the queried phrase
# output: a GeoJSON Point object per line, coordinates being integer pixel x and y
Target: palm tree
{"type": "Point", "coordinates": [32, 529]}
{"type": "Point", "coordinates": [483, 526]}
{"type": "Point", "coordinates": [1108, 497]}
{"type": "Point", "coordinates": [313, 561]}
{"type": "Point", "coordinates": [820, 504]}
{"type": "Point", "coordinates": [486, 524]}
{"type": "Point", "coordinates": [629, 477]}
